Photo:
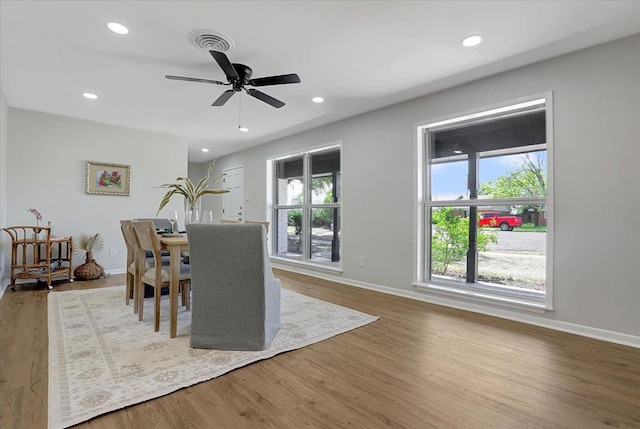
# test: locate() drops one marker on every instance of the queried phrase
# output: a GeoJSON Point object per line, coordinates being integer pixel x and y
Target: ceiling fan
{"type": "Point", "coordinates": [239, 75]}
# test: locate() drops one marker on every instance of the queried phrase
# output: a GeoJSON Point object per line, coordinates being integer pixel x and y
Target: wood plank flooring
{"type": "Point", "coordinates": [419, 366]}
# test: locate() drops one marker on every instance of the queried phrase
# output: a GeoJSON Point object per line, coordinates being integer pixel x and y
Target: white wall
{"type": "Point", "coordinates": [3, 184]}
{"type": "Point", "coordinates": [46, 168]}
{"type": "Point", "coordinates": [597, 153]}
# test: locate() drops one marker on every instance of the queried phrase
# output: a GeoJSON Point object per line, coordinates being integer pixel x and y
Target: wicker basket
{"type": "Point", "coordinates": [90, 270]}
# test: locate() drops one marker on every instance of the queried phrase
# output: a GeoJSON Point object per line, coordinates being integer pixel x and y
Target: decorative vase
{"type": "Point", "coordinates": [90, 270]}
{"type": "Point", "coordinates": [192, 212]}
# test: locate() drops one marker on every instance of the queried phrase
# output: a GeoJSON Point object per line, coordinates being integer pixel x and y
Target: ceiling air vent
{"type": "Point", "coordinates": [207, 40]}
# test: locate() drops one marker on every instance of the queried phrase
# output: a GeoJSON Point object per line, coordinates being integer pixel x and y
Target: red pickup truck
{"type": "Point", "coordinates": [495, 219]}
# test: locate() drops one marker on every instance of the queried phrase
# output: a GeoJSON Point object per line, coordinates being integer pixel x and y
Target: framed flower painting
{"type": "Point", "coordinates": [108, 179]}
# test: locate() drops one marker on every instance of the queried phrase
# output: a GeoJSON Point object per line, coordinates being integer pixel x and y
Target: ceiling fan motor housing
{"type": "Point", "coordinates": [244, 74]}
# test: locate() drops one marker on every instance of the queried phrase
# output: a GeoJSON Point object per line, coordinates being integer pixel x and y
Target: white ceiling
{"type": "Point", "coordinates": [358, 55]}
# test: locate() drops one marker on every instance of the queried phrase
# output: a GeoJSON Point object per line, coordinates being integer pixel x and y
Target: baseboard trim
{"type": "Point", "coordinates": [557, 325]}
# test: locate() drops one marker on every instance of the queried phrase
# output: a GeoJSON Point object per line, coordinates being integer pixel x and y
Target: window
{"type": "Point", "coordinates": [306, 213]}
{"type": "Point", "coordinates": [485, 205]}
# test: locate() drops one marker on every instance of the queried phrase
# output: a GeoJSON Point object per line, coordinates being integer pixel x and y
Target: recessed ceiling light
{"type": "Point", "coordinates": [317, 99]}
{"type": "Point", "coordinates": [243, 129]}
{"type": "Point", "coordinates": [457, 151]}
{"type": "Point", "coordinates": [473, 40]}
{"type": "Point", "coordinates": [89, 95]}
{"type": "Point", "coordinates": [204, 149]}
{"type": "Point", "coordinates": [117, 28]}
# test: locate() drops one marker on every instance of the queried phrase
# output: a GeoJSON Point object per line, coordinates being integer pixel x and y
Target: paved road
{"type": "Point", "coordinates": [512, 241]}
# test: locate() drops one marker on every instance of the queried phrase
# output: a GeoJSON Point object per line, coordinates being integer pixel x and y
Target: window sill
{"type": "Point", "coordinates": [315, 266]}
{"type": "Point", "coordinates": [477, 294]}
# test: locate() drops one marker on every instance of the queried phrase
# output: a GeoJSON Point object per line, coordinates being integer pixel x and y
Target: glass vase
{"type": "Point", "coordinates": [192, 212]}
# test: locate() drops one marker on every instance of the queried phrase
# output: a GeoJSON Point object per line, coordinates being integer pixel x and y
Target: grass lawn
{"type": "Point", "coordinates": [529, 227]}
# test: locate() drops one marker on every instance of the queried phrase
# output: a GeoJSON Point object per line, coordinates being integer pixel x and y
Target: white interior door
{"type": "Point", "coordinates": [233, 201]}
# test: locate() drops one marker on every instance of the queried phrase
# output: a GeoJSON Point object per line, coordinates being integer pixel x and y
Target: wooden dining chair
{"type": "Point", "coordinates": [158, 276]}
{"type": "Point", "coordinates": [134, 273]}
{"type": "Point", "coordinates": [161, 224]}
{"type": "Point", "coordinates": [129, 236]}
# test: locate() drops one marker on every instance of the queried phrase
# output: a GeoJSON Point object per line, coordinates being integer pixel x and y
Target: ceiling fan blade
{"type": "Point", "coordinates": [195, 79]}
{"type": "Point", "coordinates": [266, 98]}
{"type": "Point", "coordinates": [224, 97]}
{"type": "Point", "coordinates": [275, 80]}
{"type": "Point", "coordinates": [224, 64]}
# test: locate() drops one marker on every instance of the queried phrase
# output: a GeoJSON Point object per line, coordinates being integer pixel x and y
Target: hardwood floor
{"type": "Point", "coordinates": [419, 366]}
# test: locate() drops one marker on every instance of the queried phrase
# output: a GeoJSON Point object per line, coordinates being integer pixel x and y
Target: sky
{"type": "Point", "coordinates": [449, 181]}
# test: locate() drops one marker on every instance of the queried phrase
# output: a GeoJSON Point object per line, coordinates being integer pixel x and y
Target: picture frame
{"type": "Point", "coordinates": [105, 178]}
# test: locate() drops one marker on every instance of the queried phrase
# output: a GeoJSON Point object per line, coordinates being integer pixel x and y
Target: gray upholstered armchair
{"type": "Point", "coordinates": [235, 297]}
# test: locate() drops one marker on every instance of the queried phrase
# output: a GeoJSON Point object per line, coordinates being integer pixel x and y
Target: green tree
{"type": "Point", "coordinates": [530, 180]}
{"type": "Point", "coordinates": [450, 239]}
{"type": "Point", "coordinates": [323, 217]}
{"type": "Point", "coordinates": [320, 185]}
{"type": "Point", "coordinates": [294, 218]}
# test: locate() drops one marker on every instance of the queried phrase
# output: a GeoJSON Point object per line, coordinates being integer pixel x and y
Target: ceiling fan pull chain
{"type": "Point", "coordinates": [240, 126]}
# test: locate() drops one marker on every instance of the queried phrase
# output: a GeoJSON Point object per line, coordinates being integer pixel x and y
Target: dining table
{"type": "Point", "coordinates": [175, 244]}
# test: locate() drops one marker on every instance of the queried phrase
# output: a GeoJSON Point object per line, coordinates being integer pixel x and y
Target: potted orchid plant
{"type": "Point", "coordinates": [38, 217]}
{"type": "Point", "coordinates": [37, 214]}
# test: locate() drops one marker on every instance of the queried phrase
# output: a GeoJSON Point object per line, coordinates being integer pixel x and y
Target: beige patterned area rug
{"type": "Point", "coordinates": [101, 358]}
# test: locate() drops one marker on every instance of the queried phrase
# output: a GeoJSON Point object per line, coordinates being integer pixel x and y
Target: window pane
{"type": "Point", "coordinates": [306, 229]}
{"type": "Point", "coordinates": [325, 173]}
{"type": "Point", "coordinates": [290, 190]}
{"type": "Point", "coordinates": [288, 232]}
{"type": "Point", "coordinates": [513, 176]}
{"type": "Point", "coordinates": [322, 189]}
{"type": "Point", "coordinates": [496, 249]}
{"type": "Point", "coordinates": [515, 256]}
{"type": "Point", "coordinates": [525, 128]}
{"type": "Point", "coordinates": [449, 242]}
{"type": "Point", "coordinates": [325, 234]}
{"type": "Point", "coordinates": [449, 181]}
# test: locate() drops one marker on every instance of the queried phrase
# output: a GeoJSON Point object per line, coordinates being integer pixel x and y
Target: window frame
{"type": "Point", "coordinates": [485, 293]}
{"type": "Point", "coordinates": [305, 258]}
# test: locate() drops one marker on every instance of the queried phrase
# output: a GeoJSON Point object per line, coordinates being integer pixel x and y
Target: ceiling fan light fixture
{"type": "Point", "coordinates": [472, 40]}
{"type": "Point", "coordinates": [317, 99]}
{"type": "Point", "coordinates": [117, 28]}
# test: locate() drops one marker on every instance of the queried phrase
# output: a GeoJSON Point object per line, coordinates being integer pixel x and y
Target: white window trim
{"type": "Point", "coordinates": [271, 205]}
{"type": "Point", "coordinates": [480, 293]}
